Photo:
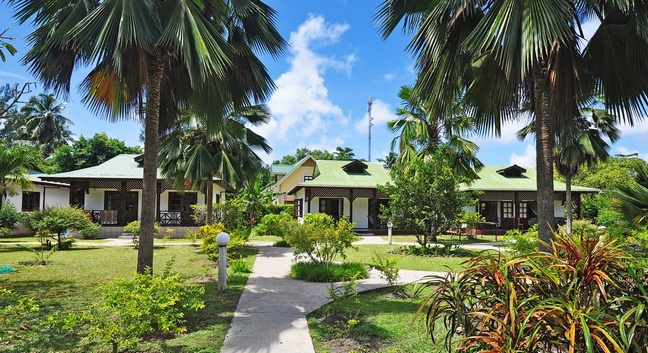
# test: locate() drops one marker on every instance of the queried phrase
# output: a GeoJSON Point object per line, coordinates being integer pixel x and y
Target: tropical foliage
{"type": "Point", "coordinates": [15, 163]}
{"type": "Point", "coordinates": [87, 152]}
{"type": "Point", "coordinates": [633, 198]}
{"type": "Point", "coordinates": [583, 295]}
{"type": "Point", "coordinates": [55, 221]}
{"type": "Point", "coordinates": [154, 58]}
{"type": "Point", "coordinates": [501, 57]}
{"type": "Point", "coordinates": [422, 131]}
{"type": "Point", "coordinates": [320, 239]}
{"type": "Point", "coordinates": [44, 123]}
{"type": "Point", "coordinates": [424, 198]}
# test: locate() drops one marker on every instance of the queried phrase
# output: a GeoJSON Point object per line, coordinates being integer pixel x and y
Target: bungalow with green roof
{"type": "Point", "coordinates": [507, 198]}
{"type": "Point", "coordinates": [337, 188]}
{"type": "Point", "coordinates": [112, 192]}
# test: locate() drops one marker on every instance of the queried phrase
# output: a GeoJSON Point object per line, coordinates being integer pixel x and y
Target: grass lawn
{"type": "Point", "coordinates": [405, 262]}
{"type": "Point", "coordinates": [266, 238]}
{"type": "Point", "coordinates": [71, 282]}
{"type": "Point", "coordinates": [385, 323]}
{"type": "Point", "coordinates": [17, 239]}
{"type": "Point", "coordinates": [447, 239]}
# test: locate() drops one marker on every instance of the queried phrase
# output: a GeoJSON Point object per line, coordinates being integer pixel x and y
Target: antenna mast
{"type": "Point", "coordinates": [369, 103]}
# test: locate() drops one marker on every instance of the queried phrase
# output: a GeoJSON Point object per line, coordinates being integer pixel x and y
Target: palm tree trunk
{"type": "Point", "coordinates": [210, 202]}
{"type": "Point", "coordinates": [151, 122]}
{"type": "Point", "coordinates": [544, 158]}
{"type": "Point", "coordinates": [568, 201]}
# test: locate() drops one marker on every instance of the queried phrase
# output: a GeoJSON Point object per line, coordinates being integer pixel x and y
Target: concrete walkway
{"type": "Point", "coordinates": [271, 313]}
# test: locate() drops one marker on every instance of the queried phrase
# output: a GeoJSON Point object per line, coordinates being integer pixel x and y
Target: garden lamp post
{"type": "Point", "coordinates": [222, 239]}
{"type": "Point", "coordinates": [390, 226]}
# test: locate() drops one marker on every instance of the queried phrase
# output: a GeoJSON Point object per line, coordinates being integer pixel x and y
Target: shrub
{"type": "Point", "coordinates": [129, 309]}
{"type": "Point", "coordinates": [319, 220]}
{"type": "Point", "coordinates": [192, 235]}
{"type": "Point", "coordinates": [240, 266]}
{"type": "Point", "coordinates": [579, 296]}
{"type": "Point", "coordinates": [230, 214]}
{"type": "Point", "coordinates": [9, 217]}
{"type": "Point", "coordinates": [208, 234]}
{"type": "Point", "coordinates": [56, 220]}
{"type": "Point", "coordinates": [134, 228]}
{"type": "Point", "coordinates": [334, 272]}
{"type": "Point", "coordinates": [387, 267]}
{"type": "Point", "coordinates": [320, 238]}
{"type": "Point", "coordinates": [274, 224]}
{"type": "Point", "coordinates": [91, 232]}
{"type": "Point", "coordinates": [523, 242]}
{"type": "Point", "coordinates": [432, 250]}
{"type": "Point", "coordinates": [279, 209]}
{"type": "Point", "coordinates": [281, 244]}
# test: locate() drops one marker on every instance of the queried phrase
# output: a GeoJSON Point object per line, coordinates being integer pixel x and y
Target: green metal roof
{"type": "Point", "coordinates": [122, 166]}
{"type": "Point", "coordinates": [281, 169]}
{"type": "Point", "coordinates": [35, 177]}
{"type": "Point", "coordinates": [331, 174]}
{"type": "Point", "coordinates": [491, 180]}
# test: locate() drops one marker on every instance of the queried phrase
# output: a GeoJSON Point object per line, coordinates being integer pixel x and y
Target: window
{"type": "Point", "coordinates": [308, 177]}
{"type": "Point", "coordinates": [179, 201]}
{"type": "Point", "coordinates": [297, 208]}
{"type": "Point", "coordinates": [523, 210]}
{"type": "Point", "coordinates": [30, 201]}
{"type": "Point", "coordinates": [507, 209]}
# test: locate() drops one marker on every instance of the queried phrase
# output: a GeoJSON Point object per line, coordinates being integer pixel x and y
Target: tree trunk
{"type": "Point", "coordinates": [568, 201]}
{"type": "Point", "coordinates": [544, 158]}
{"type": "Point", "coordinates": [151, 122]}
{"type": "Point", "coordinates": [210, 202]}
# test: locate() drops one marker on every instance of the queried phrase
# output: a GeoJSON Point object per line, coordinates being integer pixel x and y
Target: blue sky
{"type": "Point", "coordinates": [335, 62]}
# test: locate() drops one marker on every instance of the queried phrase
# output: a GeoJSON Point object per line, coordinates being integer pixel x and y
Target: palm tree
{"type": "Point", "coordinates": [15, 162]}
{"type": "Point", "coordinates": [633, 199]}
{"type": "Point", "coordinates": [389, 160]}
{"type": "Point", "coordinates": [421, 133]}
{"type": "Point", "coordinates": [154, 57]}
{"type": "Point", "coordinates": [501, 55]}
{"type": "Point", "coordinates": [191, 156]}
{"type": "Point", "coordinates": [581, 142]}
{"type": "Point", "coordinates": [45, 124]}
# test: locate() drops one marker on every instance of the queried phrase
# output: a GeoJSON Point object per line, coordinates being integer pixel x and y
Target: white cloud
{"type": "Point", "coordinates": [300, 106]}
{"type": "Point", "coordinates": [527, 159]}
{"type": "Point", "coordinates": [389, 77]}
{"type": "Point", "coordinates": [13, 75]}
{"type": "Point", "coordinates": [381, 113]}
{"type": "Point", "coordinates": [638, 128]}
{"type": "Point", "coordinates": [509, 131]}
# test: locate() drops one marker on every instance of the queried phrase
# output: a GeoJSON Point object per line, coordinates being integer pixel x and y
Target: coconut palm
{"type": "Point", "coordinates": [389, 160]}
{"type": "Point", "coordinates": [153, 58]}
{"type": "Point", "coordinates": [501, 55]}
{"type": "Point", "coordinates": [15, 162]}
{"type": "Point", "coordinates": [421, 133]}
{"type": "Point", "coordinates": [581, 142]}
{"type": "Point", "coordinates": [191, 156]}
{"type": "Point", "coordinates": [45, 123]}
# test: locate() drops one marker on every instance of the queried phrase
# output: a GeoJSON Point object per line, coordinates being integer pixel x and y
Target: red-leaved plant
{"type": "Point", "coordinates": [582, 295]}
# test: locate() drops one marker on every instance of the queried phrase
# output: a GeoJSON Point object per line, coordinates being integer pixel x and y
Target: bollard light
{"type": "Point", "coordinates": [390, 226]}
{"type": "Point", "coordinates": [222, 239]}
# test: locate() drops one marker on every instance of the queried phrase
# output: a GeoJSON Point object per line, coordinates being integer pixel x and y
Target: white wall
{"type": "Point", "coordinates": [53, 196]}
